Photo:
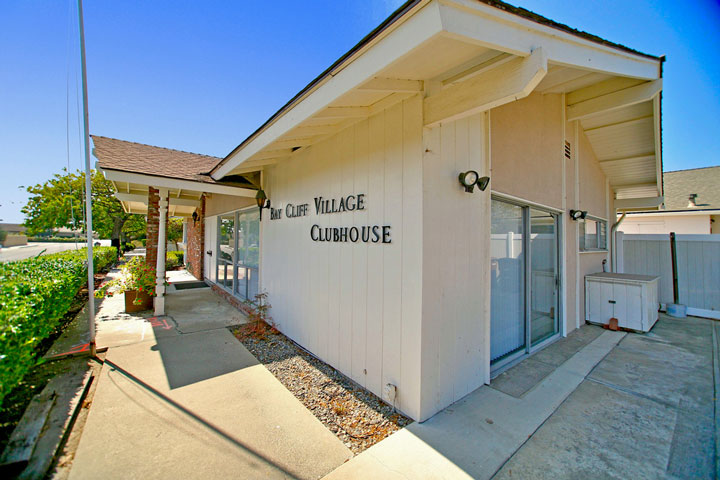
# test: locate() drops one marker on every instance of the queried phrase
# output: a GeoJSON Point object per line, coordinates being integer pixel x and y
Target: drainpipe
{"type": "Point", "coordinates": [613, 231]}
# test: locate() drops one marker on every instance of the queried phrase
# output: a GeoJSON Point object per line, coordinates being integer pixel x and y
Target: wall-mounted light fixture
{"type": "Point", "coordinates": [194, 217]}
{"type": "Point", "coordinates": [262, 201]}
{"type": "Point", "coordinates": [578, 215]}
{"type": "Point", "coordinates": [471, 178]}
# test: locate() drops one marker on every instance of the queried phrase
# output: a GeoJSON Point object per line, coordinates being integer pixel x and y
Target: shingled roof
{"type": "Point", "coordinates": [114, 154]}
{"type": "Point", "coordinates": [679, 185]}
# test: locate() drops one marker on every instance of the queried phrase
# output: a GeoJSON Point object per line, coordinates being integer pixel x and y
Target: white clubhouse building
{"type": "Point", "coordinates": [375, 257]}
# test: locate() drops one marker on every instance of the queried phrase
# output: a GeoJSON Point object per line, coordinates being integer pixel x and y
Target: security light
{"type": "Point", "coordinates": [468, 180]}
{"type": "Point", "coordinates": [471, 178]}
{"type": "Point", "coordinates": [578, 214]}
{"type": "Point", "coordinates": [262, 201]}
{"type": "Point", "coordinates": [483, 182]}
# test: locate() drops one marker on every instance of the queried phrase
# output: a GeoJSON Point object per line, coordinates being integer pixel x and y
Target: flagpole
{"type": "Point", "coordinates": [88, 188]}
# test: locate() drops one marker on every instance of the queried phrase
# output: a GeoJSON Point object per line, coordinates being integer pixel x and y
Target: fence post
{"type": "Point", "coordinates": [619, 252]}
{"type": "Point", "coordinates": [673, 256]}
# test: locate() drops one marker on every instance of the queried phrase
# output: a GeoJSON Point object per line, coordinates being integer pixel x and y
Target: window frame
{"type": "Point", "coordinates": [582, 235]}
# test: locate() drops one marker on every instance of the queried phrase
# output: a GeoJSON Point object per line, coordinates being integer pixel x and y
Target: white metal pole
{"type": "Point", "coordinates": [88, 188]}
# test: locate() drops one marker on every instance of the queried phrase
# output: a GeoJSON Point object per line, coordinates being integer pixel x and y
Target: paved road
{"type": "Point", "coordinates": [10, 254]}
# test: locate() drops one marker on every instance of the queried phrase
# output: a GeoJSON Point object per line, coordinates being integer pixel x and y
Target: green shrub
{"type": "Point", "coordinates": [174, 259]}
{"type": "Point", "coordinates": [3, 235]}
{"type": "Point", "coordinates": [34, 295]}
{"type": "Point", "coordinates": [80, 240]}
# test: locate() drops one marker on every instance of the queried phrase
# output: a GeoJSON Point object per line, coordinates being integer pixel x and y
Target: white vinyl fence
{"type": "Point", "coordinates": [698, 264]}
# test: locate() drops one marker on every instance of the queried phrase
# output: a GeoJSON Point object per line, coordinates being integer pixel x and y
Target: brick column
{"type": "Point", "coordinates": [196, 242]}
{"type": "Point", "coordinates": [153, 220]}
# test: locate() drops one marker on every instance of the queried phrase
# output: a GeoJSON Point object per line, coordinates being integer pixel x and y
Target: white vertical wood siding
{"type": "Point", "coordinates": [357, 306]}
{"type": "Point", "coordinates": [698, 261]}
{"type": "Point", "coordinates": [456, 268]}
{"type": "Point", "coordinates": [210, 246]}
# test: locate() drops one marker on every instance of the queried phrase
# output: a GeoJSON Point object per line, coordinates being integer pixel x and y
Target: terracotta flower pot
{"type": "Point", "coordinates": [146, 301]}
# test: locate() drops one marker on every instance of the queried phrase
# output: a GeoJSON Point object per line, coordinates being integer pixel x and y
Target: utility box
{"type": "Point", "coordinates": [632, 299]}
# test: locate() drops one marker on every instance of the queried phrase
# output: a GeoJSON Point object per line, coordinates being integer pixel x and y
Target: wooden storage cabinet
{"type": "Point", "coordinates": [632, 299]}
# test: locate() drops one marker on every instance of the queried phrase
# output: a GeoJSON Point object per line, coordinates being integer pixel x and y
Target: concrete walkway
{"type": "Point", "coordinates": [620, 406]}
{"type": "Point", "coordinates": [180, 397]}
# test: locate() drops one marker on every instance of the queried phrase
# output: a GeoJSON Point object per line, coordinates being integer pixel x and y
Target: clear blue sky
{"type": "Point", "coordinates": [202, 75]}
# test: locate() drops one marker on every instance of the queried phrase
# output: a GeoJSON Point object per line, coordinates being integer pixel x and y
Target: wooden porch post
{"type": "Point", "coordinates": [162, 242]}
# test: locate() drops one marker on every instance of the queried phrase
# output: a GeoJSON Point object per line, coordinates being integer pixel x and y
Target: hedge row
{"type": "Point", "coordinates": [174, 259]}
{"type": "Point", "coordinates": [34, 295]}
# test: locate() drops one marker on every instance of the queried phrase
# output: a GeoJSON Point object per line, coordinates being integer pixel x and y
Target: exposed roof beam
{"type": "Point", "coordinates": [493, 62]}
{"type": "Point", "coordinates": [292, 143]}
{"type": "Point", "coordinates": [344, 112]}
{"type": "Point", "coordinates": [615, 100]}
{"type": "Point", "coordinates": [134, 197]}
{"type": "Point", "coordinates": [508, 82]}
{"type": "Point", "coordinates": [379, 84]}
{"type": "Point", "coordinates": [639, 158]}
{"type": "Point", "coordinates": [270, 155]}
{"type": "Point", "coordinates": [302, 132]}
{"type": "Point", "coordinates": [624, 123]}
{"type": "Point", "coordinates": [644, 202]}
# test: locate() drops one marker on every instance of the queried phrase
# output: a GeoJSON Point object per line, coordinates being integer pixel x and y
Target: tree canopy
{"type": "Point", "coordinates": [59, 202]}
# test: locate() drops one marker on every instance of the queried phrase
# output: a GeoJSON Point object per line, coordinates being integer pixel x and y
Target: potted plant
{"type": "Point", "coordinates": [137, 282]}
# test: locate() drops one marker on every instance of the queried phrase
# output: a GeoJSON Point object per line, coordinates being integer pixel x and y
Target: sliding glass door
{"type": "Point", "coordinates": [507, 280]}
{"type": "Point", "coordinates": [544, 275]}
{"type": "Point", "coordinates": [239, 252]}
{"type": "Point", "coordinates": [524, 279]}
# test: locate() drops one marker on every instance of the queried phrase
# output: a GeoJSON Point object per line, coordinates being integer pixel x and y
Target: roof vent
{"type": "Point", "coordinates": [568, 151]}
{"type": "Point", "coordinates": [691, 200]}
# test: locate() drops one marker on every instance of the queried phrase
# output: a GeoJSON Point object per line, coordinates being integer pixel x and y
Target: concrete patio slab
{"type": "Point", "coordinates": [473, 437]}
{"type": "Point", "coordinates": [199, 406]}
{"type": "Point", "coordinates": [646, 411]}
{"type": "Point", "coordinates": [188, 311]}
{"type": "Point", "coordinates": [519, 379]}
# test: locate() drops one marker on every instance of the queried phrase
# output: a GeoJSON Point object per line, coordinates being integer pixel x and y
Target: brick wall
{"type": "Point", "coordinates": [194, 258]}
{"type": "Point", "coordinates": [153, 222]}
{"type": "Point", "coordinates": [232, 300]}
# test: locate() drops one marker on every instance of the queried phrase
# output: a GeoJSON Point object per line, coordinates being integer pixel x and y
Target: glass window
{"type": "Point", "coordinates": [239, 252]}
{"type": "Point", "coordinates": [593, 234]}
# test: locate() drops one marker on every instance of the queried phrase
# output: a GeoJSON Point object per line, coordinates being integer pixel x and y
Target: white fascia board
{"type": "Point", "coordinates": [490, 27]}
{"type": "Point", "coordinates": [135, 197]}
{"type": "Point", "coordinates": [367, 64]}
{"type": "Point", "coordinates": [163, 182]}
{"type": "Point", "coordinates": [674, 213]}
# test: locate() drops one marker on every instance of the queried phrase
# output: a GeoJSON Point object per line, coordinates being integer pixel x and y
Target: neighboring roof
{"type": "Point", "coordinates": [397, 15]}
{"type": "Point", "coordinates": [679, 185]}
{"type": "Point", "coordinates": [114, 154]}
{"type": "Point", "coordinates": [12, 227]}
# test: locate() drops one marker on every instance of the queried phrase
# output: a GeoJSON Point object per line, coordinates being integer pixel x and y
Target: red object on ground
{"type": "Point", "coordinates": [613, 325]}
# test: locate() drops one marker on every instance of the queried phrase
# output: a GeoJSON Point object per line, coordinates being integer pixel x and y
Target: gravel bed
{"type": "Point", "coordinates": [356, 416]}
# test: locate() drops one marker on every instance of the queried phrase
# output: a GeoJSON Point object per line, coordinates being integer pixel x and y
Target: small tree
{"type": "Point", "coordinates": [175, 231]}
{"type": "Point", "coordinates": [59, 202]}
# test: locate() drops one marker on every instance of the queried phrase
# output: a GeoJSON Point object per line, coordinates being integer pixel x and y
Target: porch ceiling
{"type": "Point", "coordinates": [621, 119]}
{"type": "Point", "coordinates": [134, 199]}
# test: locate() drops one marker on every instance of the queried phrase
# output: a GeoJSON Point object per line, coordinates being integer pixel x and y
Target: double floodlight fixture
{"type": "Point", "coordinates": [578, 215]}
{"type": "Point", "coordinates": [471, 178]}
